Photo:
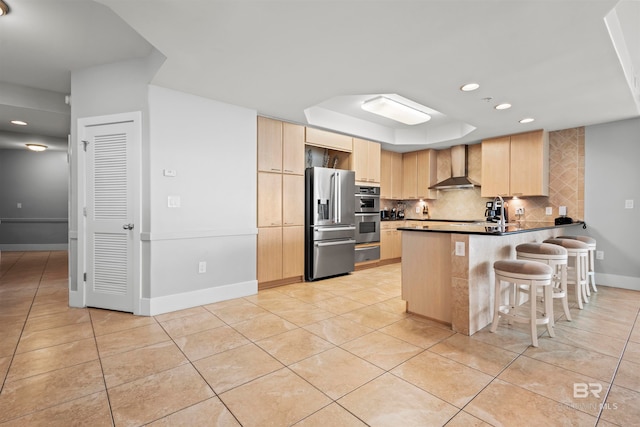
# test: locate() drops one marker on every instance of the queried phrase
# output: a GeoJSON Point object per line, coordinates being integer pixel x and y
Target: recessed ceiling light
{"type": "Point", "coordinates": [394, 110]}
{"type": "Point", "coordinates": [527, 120]}
{"type": "Point", "coordinates": [503, 106]}
{"type": "Point", "coordinates": [36, 147]}
{"type": "Point", "coordinates": [19, 122]}
{"type": "Point", "coordinates": [469, 87]}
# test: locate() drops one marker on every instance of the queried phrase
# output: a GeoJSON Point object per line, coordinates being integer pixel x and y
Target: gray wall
{"type": "Point", "coordinates": [39, 181]}
{"type": "Point", "coordinates": [612, 175]}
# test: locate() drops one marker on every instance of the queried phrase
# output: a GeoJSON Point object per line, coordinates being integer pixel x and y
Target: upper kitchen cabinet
{"type": "Point", "coordinates": [419, 173]}
{"type": "Point", "coordinates": [427, 174]}
{"type": "Point", "coordinates": [293, 149]}
{"type": "Point", "coordinates": [390, 175]}
{"type": "Point", "coordinates": [324, 139]}
{"type": "Point", "coordinates": [365, 161]}
{"type": "Point", "coordinates": [270, 145]}
{"type": "Point", "coordinates": [516, 165]}
{"type": "Point", "coordinates": [280, 147]}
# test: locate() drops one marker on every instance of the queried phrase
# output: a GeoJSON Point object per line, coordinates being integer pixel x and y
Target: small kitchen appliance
{"type": "Point", "coordinates": [492, 211]}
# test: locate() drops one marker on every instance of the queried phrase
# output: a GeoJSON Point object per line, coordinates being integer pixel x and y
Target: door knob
{"type": "Point", "coordinates": [128, 226]}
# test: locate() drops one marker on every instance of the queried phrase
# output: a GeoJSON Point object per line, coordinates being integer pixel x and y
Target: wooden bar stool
{"type": "Point", "coordinates": [576, 274]}
{"type": "Point", "coordinates": [532, 274]}
{"type": "Point", "coordinates": [591, 269]}
{"type": "Point", "coordinates": [556, 257]}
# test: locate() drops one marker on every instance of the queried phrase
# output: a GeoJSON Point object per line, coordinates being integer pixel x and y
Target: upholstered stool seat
{"type": "Point", "coordinates": [576, 273]}
{"type": "Point", "coordinates": [533, 274]}
{"type": "Point", "coordinates": [591, 270]}
{"type": "Point", "coordinates": [556, 257]}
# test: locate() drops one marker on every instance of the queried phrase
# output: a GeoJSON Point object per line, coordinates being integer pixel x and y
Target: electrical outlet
{"type": "Point", "coordinates": [460, 248]}
{"type": "Point", "coordinates": [548, 210]}
{"type": "Point", "coordinates": [202, 267]}
{"type": "Point", "coordinates": [562, 211]}
{"type": "Point", "coordinates": [628, 204]}
{"type": "Point", "coordinates": [599, 254]}
{"type": "Point", "coordinates": [519, 211]}
{"type": "Point", "coordinates": [19, 205]}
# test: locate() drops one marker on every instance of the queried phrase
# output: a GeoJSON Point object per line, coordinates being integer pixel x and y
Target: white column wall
{"type": "Point", "coordinates": [211, 146]}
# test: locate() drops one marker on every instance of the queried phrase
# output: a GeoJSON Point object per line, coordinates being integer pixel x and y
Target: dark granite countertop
{"type": "Point", "coordinates": [486, 228]}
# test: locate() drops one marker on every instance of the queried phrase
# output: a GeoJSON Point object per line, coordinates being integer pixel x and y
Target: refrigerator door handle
{"type": "Point", "coordinates": [341, 242]}
{"type": "Point", "coordinates": [334, 228]}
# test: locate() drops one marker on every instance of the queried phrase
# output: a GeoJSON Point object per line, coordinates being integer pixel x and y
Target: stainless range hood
{"type": "Point", "coordinates": [459, 178]}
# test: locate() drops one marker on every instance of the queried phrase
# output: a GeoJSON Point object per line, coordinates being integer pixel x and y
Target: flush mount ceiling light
{"type": "Point", "coordinates": [469, 87]}
{"type": "Point", "coordinates": [527, 120]}
{"type": "Point", "coordinates": [36, 147]}
{"type": "Point", "coordinates": [18, 122]}
{"type": "Point", "coordinates": [4, 9]}
{"type": "Point", "coordinates": [503, 106]}
{"type": "Point", "coordinates": [394, 110]}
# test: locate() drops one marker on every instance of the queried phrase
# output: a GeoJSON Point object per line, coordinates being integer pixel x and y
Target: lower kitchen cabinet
{"type": "Point", "coordinates": [292, 251]}
{"type": "Point", "coordinates": [269, 254]}
{"type": "Point", "coordinates": [390, 244]}
{"type": "Point", "coordinates": [280, 255]}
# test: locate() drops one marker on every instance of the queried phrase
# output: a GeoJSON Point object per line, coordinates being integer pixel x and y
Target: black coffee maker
{"type": "Point", "coordinates": [493, 210]}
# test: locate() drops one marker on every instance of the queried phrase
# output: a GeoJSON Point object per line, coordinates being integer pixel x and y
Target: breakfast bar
{"type": "Point", "coordinates": [447, 268]}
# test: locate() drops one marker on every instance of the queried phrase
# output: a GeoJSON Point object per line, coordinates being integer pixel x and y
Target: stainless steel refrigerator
{"type": "Point", "coordinates": [329, 222]}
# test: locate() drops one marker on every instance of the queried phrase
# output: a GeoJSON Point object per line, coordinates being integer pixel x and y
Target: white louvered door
{"type": "Point", "coordinates": [110, 227]}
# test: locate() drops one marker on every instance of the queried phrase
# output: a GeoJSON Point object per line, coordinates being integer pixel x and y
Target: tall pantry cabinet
{"type": "Point", "coordinates": [280, 202]}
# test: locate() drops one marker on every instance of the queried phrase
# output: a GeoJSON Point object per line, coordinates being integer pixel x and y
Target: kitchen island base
{"type": "Point", "coordinates": [456, 287]}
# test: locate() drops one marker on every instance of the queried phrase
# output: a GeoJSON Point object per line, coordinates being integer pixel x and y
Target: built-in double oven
{"type": "Point", "coordinates": [367, 222]}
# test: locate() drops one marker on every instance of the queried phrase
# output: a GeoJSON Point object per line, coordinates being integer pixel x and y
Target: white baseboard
{"type": "Point", "coordinates": [166, 304]}
{"type": "Point", "coordinates": [615, 281]}
{"type": "Point", "coordinates": [76, 299]}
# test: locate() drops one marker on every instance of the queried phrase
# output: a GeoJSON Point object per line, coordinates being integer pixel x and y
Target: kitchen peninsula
{"type": "Point", "coordinates": [447, 268]}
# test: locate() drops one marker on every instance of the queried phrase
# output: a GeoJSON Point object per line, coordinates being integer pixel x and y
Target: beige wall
{"type": "Point", "coordinates": [566, 184]}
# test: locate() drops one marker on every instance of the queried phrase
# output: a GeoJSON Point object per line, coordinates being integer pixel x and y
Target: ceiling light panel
{"type": "Point", "coordinates": [503, 106]}
{"type": "Point", "coordinates": [36, 147]}
{"type": "Point", "coordinates": [394, 110]}
{"type": "Point", "coordinates": [469, 87]}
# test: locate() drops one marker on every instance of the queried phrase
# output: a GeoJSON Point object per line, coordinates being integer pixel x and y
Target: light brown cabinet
{"type": "Point", "coordinates": [516, 165]}
{"type": "Point", "coordinates": [280, 253]}
{"type": "Point", "coordinates": [269, 254]}
{"type": "Point", "coordinates": [390, 175]}
{"type": "Point", "coordinates": [280, 147]}
{"type": "Point", "coordinates": [390, 244]}
{"type": "Point", "coordinates": [365, 161]}
{"type": "Point", "coordinates": [292, 251]}
{"type": "Point", "coordinates": [419, 173]}
{"type": "Point", "coordinates": [391, 240]}
{"type": "Point", "coordinates": [269, 199]}
{"type": "Point", "coordinates": [292, 200]}
{"type": "Point", "coordinates": [324, 139]}
{"type": "Point", "coordinates": [280, 242]}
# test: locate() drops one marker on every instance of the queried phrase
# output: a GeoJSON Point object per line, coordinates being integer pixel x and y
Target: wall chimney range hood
{"type": "Point", "coordinates": [459, 178]}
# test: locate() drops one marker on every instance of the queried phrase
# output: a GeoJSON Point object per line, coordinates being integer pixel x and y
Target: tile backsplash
{"type": "Point", "coordinates": [566, 185]}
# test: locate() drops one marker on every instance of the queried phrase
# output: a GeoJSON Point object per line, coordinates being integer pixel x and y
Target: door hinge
{"type": "Point", "coordinates": [85, 143]}
{"type": "Point", "coordinates": [84, 211]}
{"type": "Point", "coordinates": [84, 277]}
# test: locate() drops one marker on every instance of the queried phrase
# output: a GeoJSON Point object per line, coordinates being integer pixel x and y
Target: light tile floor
{"type": "Point", "coordinates": [337, 352]}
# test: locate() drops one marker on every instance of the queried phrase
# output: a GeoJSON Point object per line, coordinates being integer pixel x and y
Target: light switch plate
{"type": "Point", "coordinates": [173, 201]}
{"type": "Point", "coordinates": [169, 172]}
